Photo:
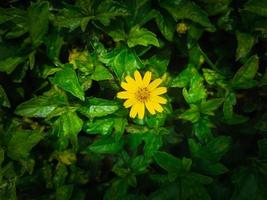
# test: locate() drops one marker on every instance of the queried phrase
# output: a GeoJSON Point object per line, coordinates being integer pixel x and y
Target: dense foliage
{"type": "Point", "coordinates": [64, 135]}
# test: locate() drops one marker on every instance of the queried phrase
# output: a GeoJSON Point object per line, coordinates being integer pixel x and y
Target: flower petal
{"type": "Point", "coordinates": [147, 78]}
{"type": "Point", "coordinates": [141, 110]}
{"type": "Point", "coordinates": [138, 77]}
{"type": "Point", "coordinates": [133, 111]}
{"type": "Point", "coordinates": [154, 84]}
{"type": "Point", "coordinates": [150, 108]}
{"type": "Point", "coordinates": [157, 107]}
{"type": "Point", "coordinates": [128, 86]}
{"type": "Point", "coordinates": [159, 99]}
{"type": "Point", "coordinates": [130, 80]}
{"type": "Point", "coordinates": [128, 103]}
{"type": "Point", "coordinates": [124, 95]}
{"type": "Point", "coordinates": [159, 90]}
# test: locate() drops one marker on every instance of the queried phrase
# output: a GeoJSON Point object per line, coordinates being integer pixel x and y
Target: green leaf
{"type": "Point", "coordinates": [69, 17]}
{"type": "Point", "coordinates": [212, 77]}
{"type": "Point", "coordinates": [183, 9]}
{"type": "Point", "coordinates": [262, 123]}
{"type": "Point", "coordinates": [258, 7]}
{"type": "Point", "coordinates": [174, 166]}
{"type": "Point", "coordinates": [3, 98]}
{"type": "Point", "coordinates": [243, 77]}
{"type": "Point", "coordinates": [119, 126]}
{"type": "Point", "coordinates": [9, 64]}
{"type": "Point", "coordinates": [54, 42]}
{"type": "Point", "coordinates": [192, 114]}
{"type": "Point", "coordinates": [40, 106]}
{"type": "Point", "coordinates": [213, 150]}
{"type": "Point", "coordinates": [152, 143]}
{"type": "Point", "coordinates": [106, 145]}
{"type": "Point", "coordinates": [97, 107]}
{"type": "Point", "coordinates": [207, 107]}
{"type": "Point", "coordinates": [245, 42]}
{"type": "Point", "coordinates": [262, 146]}
{"type": "Point", "coordinates": [21, 143]}
{"type": "Point", "coordinates": [183, 78]}
{"type": "Point", "coordinates": [228, 110]}
{"type": "Point", "coordinates": [141, 36]}
{"type": "Point", "coordinates": [64, 192]}
{"type": "Point", "coordinates": [166, 25]}
{"type": "Point", "coordinates": [68, 125]}
{"type": "Point", "coordinates": [196, 92]}
{"type": "Point", "coordinates": [38, 19]}
{"type": "Point", "coordinates": [108, 10]}
{"type": "Point", "coordinates": [202, 129]}
{"type": "Point", "coordinates": [123, 61]}
{"type": "Point", "coordinates": [117, 190]}
{"type": "Point", "coordinates": [99, 126]}
{"type": "Point", "coordinates": [158, 64]}
{"type": "Point", "coordinates": [68, 81]}
{"type": "Point", "coordinates": [101, 73]}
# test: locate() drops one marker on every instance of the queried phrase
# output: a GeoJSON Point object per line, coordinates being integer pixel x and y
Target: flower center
{"type": "Point", "coordinates": [142, 94]}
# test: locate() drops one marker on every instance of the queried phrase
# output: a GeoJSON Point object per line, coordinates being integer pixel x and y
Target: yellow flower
{"type": "Point", "coordinates": [142, 94]}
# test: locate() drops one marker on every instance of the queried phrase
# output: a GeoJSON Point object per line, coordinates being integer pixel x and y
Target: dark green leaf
{"type": "Point", "coordinates": [38, 16]}
{"type": "Point", "coordinates": [244, 44]}
{"type": "Point", "coordinates": [101, 73]}
{"type": "Point", "coordinates": [166, 25]}
{"type": "Point", "coordinates": [3, 98]}
{"type": "Point", "coordinates": [183, 9]}
{"type": "Point", "coordinates": [96, 107]}
{"type": "Point", "coordinates": [243, 77]}
{"type": "Point", "coordinates": [99, 126]}
{"type": "Point", "coordinates": [21, 143]}
{"type": "Point", "coordinates": [258, 7]}
{"type": "Point", "coordinates": [106, 145]}
{"type": "Point", "coordinates": [68, 80]}
{"type": "Point", "coordinates": [141, 36]}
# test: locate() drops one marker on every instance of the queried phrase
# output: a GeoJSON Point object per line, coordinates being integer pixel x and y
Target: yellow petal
{"type": "Point", "coordinates": [147, 79]}
{"type": "Point", "coordinates": [159, 99]}
{"type": "Point", "coordinates": [128, 103]}
{"type": "Point", "coordinates": [130, 80]}
{"type": "Point", "coordinates": [154, 84]}
{"type": "Point", "coordinates": [157, 107]}
{"type": "Point", "coordinates": [150, 108]}
{"type": "Point", "coordinates": [138, 77]}
{"type": "Point", "coordinates": [128, 86]}
{"type": "Point", "coordinates": [124, 95]}
{"type": "Point", "coordinates": [159, 91]}
{"type": "Point", "coordinates": [141, 110]}
{"type": "Point", "coordinates": [133, 111]}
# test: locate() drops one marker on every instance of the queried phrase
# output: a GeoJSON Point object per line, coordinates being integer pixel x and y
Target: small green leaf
{"type": "Point", "coordinates": [166, 25]}
{"type": "Point", "coordinates": [184, 9]}
{"type": "Point", "coordinates": [243, 77]}
{"type": "Point", "coordinates": [228, 110]}
{"type": "Point", "coordinates": [40, 106]}
{"type": "Point", "coordinates": [21, 143]}
{"type": "Point", "coordinates": [9, 64]}
{"type": "Point", "coordinates": [245, 42]}
{"type": "Point", "coordinates": [64, 192]}
{"type": "Point", "coordinates": [3, 98]}
{"type": "Point", "coordinates": [174, 166]}
{"type": "Point", "coordinates": [38, 16]}
{"type": "Point", "coordinates": [212, 77]}
{"type": "Point", "coordinates": [101, 73]}
{"type": "Point", "coordinates": [141, 36]}
{"type": "Point", "coordinates": [122, 60]}
{"type": "Point", "coordinates": [192, 114]}
{"type": "Point", "coordinates": [106, 145]}
{"type": "Point", "coordinates": [258, 7]}
{"type": "Point", "coordinates": [96, 107]}
{"type": "Point", "coordinates": [183, 78]}
{"type": "Point", "coordinates": [207, 107]}
{"type": "Point", "coordinates": [99, 126]}
{"type": "Point", "coordinates": [68, 80]}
